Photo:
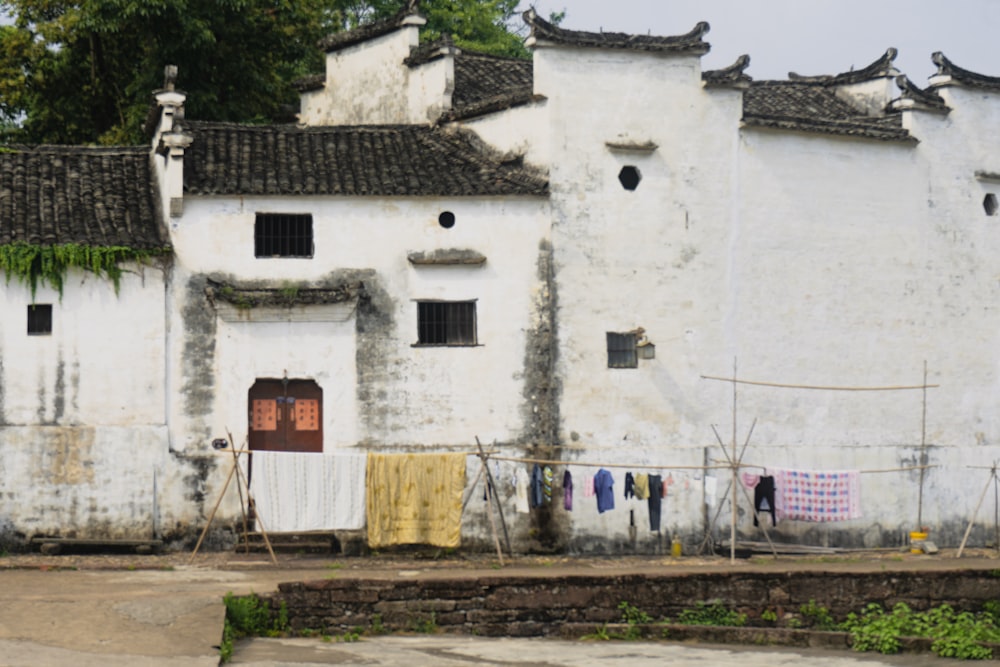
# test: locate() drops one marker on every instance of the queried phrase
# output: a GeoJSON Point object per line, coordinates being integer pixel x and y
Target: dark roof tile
{"type": "Point", "coordinates": [53, 195]}
{"type": "Point", "coordinates": [371, 160]}
{"type": "Point", "coordinates": [691, 42]}
{"type": "Point", "coordinates": [480, 77]}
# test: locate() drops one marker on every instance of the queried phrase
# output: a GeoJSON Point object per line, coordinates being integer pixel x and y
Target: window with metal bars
{"type": "Point", "coordinates": [446, 323]}
{"type": "Point", "coordinates": [39, 319]}
{"type": "Point", "coordinates": [283, 235]}
{"type": "Point", "coordinates": [621, 350]}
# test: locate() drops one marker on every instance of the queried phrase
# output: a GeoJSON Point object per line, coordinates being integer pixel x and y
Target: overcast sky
{"type": "Point", "coordinates": [808, 36]}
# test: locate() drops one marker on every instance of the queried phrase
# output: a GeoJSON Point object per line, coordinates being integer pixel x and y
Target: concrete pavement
{"type": "Point", "coordinates": [458, 651]}
{"type": "Point", "coordinates": [91, 611]}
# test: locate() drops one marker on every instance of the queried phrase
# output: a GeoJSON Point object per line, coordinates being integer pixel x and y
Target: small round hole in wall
{"type": "Point", "coordinates": [446, 219]}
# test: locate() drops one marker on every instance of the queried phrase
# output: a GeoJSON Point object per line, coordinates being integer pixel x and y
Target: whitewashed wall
{"type": "Point", "coordinates": [436, 396]}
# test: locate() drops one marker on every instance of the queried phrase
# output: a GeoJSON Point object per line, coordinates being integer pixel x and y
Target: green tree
{"type": "Point", "coordinates": [490, 26]}
{"type": "Point", "coordinates": [82, 71]}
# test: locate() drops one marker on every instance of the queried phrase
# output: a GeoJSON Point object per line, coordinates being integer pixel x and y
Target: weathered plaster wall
{"type": "Point", "coordinates": [83, 430]}
{"type": "Point", "coordinates": [364, 84]}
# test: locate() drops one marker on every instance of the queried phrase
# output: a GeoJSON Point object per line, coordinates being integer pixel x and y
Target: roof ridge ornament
{"type": "Point", "coordinates": [883, 67]}
{"type": "Point", "coordinates": [543, 31]}
{"type": "Point", "coordinates": [949, 72]}
{"type": "Point", "coordinates": [732, 76]}
{"type": "Point", "coordinates": [914, 97]}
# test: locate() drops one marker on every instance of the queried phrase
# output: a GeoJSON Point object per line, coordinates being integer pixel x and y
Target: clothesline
{"type": "Point", "coordinates": [821, 387]}
{"type": "Point", "coordinates": [606, 465]}
{"type": "Point", "coordinates": [751, 465]}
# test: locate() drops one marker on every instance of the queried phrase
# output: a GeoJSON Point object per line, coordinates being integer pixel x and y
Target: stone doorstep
{"type": "Point", "coordinates": [756, 636]}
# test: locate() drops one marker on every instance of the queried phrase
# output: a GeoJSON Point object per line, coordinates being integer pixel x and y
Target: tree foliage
{"type": "Point", "coordinates": [82, 71]}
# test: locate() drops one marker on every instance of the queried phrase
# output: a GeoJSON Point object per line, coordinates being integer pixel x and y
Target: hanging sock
{"type": "Point", "coordinates": [547, 476]}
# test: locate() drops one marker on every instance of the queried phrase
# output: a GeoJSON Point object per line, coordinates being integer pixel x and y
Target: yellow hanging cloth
{"type": "Point", "coordinates": [415, 499]}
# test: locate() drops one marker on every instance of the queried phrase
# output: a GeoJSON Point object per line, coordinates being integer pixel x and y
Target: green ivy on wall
{"type": "Point", "coordinates": [48, 264]}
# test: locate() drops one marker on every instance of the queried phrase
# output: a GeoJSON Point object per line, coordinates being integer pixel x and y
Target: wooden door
{"type": "Point", "coordinates": [286, 416]}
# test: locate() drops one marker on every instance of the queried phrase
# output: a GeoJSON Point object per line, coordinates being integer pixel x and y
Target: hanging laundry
{"type": "Point", "coordinates": [763, 498]}
{"type": "Point", "coordinates": [629, 486]}
{"type": "Point", "coordinates": [750, 479]}
{"type": "Point", "coordinates": [810, 495]}
{"type": "Point", "coordinates": [603, 488]}
{"type": "Point", "coordinates": [567, 491]}
{"type": "Point", "coordinates": [415, 499]}
{"type": "Point", "coordinates": [536, 497]}
{"type": "Point", "coordinates": [588, 486]}
{"type": "Point", "coordinates": [547, 476]}
{"type": "Point", "coordinates": [299, 491]}
{"type": "Point", "coordinates": [654, 501]}
{"type": "Point", "coordinates": [521, 492]}
{"type": "Point", "coordinates": [642, 486]}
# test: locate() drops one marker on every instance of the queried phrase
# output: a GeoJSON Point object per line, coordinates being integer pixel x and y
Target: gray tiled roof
{"type": "Point", "coordinates": [811, 104]}
{"type": "Point", "coordinates": [480, 77]}
{"type": "Point", "coordinates": [370, 160]}
{"type": "Point", "coordinates": [964, 76]}
{"type": "Point", "coordinates": [483, 83]}
{"type": "Point", "coordinates": [53, 195]}
{"type": "Point", "coordinates": [690, 42]}
{"type": "Point", "coordinates": [814, 108]}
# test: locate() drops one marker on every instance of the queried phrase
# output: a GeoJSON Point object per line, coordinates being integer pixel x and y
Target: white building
{"type": "Point", "coordinates": [558, 257]}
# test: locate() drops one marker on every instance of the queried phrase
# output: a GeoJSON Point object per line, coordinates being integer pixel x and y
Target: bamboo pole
{"type": "Point", "coordinates": [972, 520]}
{"type": "Point", "coordinates": [211, 515]}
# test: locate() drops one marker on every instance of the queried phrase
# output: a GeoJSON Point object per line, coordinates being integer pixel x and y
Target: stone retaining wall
{"type": "Point", "coordinates": [535, 605]}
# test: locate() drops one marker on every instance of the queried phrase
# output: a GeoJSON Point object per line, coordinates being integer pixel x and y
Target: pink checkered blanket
{"type": "Point", "coordinates": [813, 495]}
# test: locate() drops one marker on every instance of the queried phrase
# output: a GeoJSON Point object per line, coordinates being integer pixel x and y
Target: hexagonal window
{"type": "Point", "coordinates": [629, 177]}
{"type": "Point", "coordinates": [990, 204]}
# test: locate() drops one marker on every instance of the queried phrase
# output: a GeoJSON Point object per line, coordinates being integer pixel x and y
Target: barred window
{"type": "Point", "coordinates": [283, 235]}
{"type": "Point", "coordinates": [39, 319]}
{"type": "Point", "coordinates": [621, 350]}
{"type": "Point", "coordinates": [446, 322]}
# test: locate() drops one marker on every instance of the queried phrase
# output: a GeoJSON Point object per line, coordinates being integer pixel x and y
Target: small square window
{"type": "Point", "coordinates": [621, 350]}
{"type": "Point", "coordinates": [283, 235]}
{"type": "Point", "coordinates": [446, 323]}
{"type": "Point", "coordinates": [39, 319]}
